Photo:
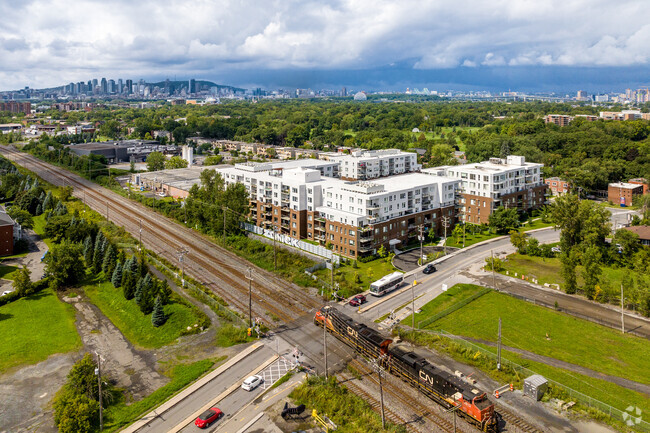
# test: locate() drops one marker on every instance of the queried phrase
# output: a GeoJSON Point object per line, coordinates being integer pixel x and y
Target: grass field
{"type": "Point", "coordinates": [548, 270]}
{"type": "Point", "coordinates": [120, 414]}
{"type": "Point", "coordinates": [35, 327]}
{"type": "Point", "coordinates": [345, 276]}
{"type": "Point", "coordinates": [442, 302]}
{"type": "Point", "coordinates": [7, 271]}
{"type": "Point", "coordinates": [526, 326]}
{"type": "Point", "coordinates": [135, 326]}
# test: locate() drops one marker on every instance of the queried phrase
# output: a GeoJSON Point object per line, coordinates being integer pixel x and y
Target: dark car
{"type": "Point", "coordinates": [430, 269]}
{"type": "Point", "coordinates": [208, 417]}
{"type": "Point", "coordinates": [357, 300]}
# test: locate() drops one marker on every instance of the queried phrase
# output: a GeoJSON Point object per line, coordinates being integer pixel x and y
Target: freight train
{"type": "Point", "coordinates": [443, 388]}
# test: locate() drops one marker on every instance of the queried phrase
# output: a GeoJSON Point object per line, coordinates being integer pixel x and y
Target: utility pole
{"type": "Point", "coordinates": [250, 297]}
{"type": "Point", "coordinates": [107, 210]}
{"type": "Point", "coordinates": [224, 226]}
{"type": "Point", "coordinates": [413, 304]}
{"type": "Point", "coordinates": [499, 347]}
{"type": "Point", "coordinates": [325, 340]}
{"type": "Point", "coordinates": [453, 410]}
{"type": "Point", "coordinates": [494, 281]}
{"type": "Point", "coordinates": [421, 238]}
{"type": "Point", "coordinates": [464, 224]}
{"type": "Point", "coordinates": [140, 234]}
{"type": "Point", "coordinates": [445, 224]}
{"type": "Point", "coordinates": [622, 312]}
{"type": "Point", "coordinates": [99, 382]}
{"type": "Point", "coordinates": [377, 366]}
{"type": "Point", "coordinates": [181, 253]}
{"type": "Point", "coordinates": [275, 251]}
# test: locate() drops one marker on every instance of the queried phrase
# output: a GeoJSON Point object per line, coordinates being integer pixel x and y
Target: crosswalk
{"type": "Point", "coordinates": [275, 371]}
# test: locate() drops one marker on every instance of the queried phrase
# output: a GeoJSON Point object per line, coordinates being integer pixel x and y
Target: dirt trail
{"type": "Point", "coordinates": [132, 369]}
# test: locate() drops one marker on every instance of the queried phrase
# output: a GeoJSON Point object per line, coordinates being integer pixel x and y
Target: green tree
{"type": "Point", "coordinates": [158, 318]}
{"type": "Point", "coordinates": [502, 220]}
{"type": "Point", "coordinates": [155, 161]}
{"type": "Point", "coordinates": [98, 252]}
{"type": "Point", "coordinates": [108, 264]}
{"type": "Point", "coordinates": [519, 240]}
{"type": "Point", "coordinates": [22, 283]}
{"type": "Point", "coordinates": [213, 160]}
{"type": "Point", "coordinates": [382, 252]}
{"type": "Point", "coordinates": [64, 264]}
{"type": "Point", "coordinates": [22, 217]}
{"type": "Point", "coordinates": [175, 162]}
{"type": "Point", "coordinates": [75, 413]}
{"type": "Point", "coordinates": [629, 244]}
{"type": "Point", "coordinates": [569, 262]}
{"type": "Point", "coordinates": [533, 247]}
{"type": "Point", "coordinates": [129, 282]}
{"type": "Point", "coordinates": [116, 278]}
{"type": "Point", "coordinates": [591, 260]}
{"type": "Point", "coordinates": [88, 250]}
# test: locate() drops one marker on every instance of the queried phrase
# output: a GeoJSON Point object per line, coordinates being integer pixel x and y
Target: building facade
{"type": "Point", "coordinates": [487, 185]}
{"type": "Point", "coordinates": [557, 186]}
{"type": "Point", "coordinates": [355, 218]}
{"type": "Point", "coordinates": [373, 164]}
{"type": "Point", "coordinates": [622, 193]}
{"type": "Point", "coordinates": [16, 107]}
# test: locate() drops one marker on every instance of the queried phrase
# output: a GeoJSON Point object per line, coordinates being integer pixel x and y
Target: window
{"type": "Point", "coordinates": [294, 216]}
{"type": "Point", "coordinates": [293, 225]}
{"type": "Point", "coordinates": [294, 190]}
{"type": "Point", "coordinates": [351, 242]}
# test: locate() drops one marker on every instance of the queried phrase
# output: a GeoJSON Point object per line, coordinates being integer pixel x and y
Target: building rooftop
{"type": "Point", "coordinates": [5, 219]}
{"type": "Point", "coordinates": [642, 231]}
{"type": "Point", "coordinates": [97, 146]}
{"type": "Point", "coordinates": [624, 185]}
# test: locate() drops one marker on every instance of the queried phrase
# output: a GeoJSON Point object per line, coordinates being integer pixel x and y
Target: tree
{"type": "Point", "coordinates": [116, 278]}
{"type": "Point", "coordinates": [175, 162]}
{"type": "Point", "coordinates": [629, 244]}
{"type": "Point", "coordinates": [108, 264]}
{"type": "Point", "coordinates": [519, 240]}
{"type": "Point", "coordinates": [163, 291]}
{"type": "Point", "coordinates": [569, 261]}
{"type": "Point", "coordinates": [382, 252]}
{"type": "Point", "coordinates": [155, 161]}
{"type": "Point", "coordinates": [533, 248]}
{"type": "Point", "coordinates": [591, 260]}
{"type": "Point", "coordinates": [22, 282]}
{"type": "Point", "coordinates": [502, 219]}
{"type": "Point", "coordinates": [22, 217]}
{"type": "Point", "coordinates": [64, 264]}
{"type": "Point", "coordinates": [158, 318]}
{"type": "Point", "coordinates": [88, 250]}
{"type": "Point", "coordinates": [98, 253]}
{"type": "Point", "coordinates": [129, 282]}
{"type": "Point", "coordinates": [65, 192]}
{"type": "Point", "coordinates": [213, 160]}
{"type": "Point", "coordinates": [75, 413]}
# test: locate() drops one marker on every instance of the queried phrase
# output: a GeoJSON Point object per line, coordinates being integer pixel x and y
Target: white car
{"type": "Point", "coordinates": [252, 382]}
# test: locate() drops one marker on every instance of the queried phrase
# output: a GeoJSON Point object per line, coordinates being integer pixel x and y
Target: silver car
{"type": "Point", "coordinates": [252, 382]}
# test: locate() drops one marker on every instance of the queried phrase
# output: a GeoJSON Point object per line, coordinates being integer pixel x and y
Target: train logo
{"type": "Point", "coordinates": [352, 332]}
{"type": "Point", "coordinates": [425, 377]}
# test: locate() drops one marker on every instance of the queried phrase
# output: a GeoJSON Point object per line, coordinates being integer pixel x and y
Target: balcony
{"type": "Point", "coordinates": [320, 238]}
{"type": "Point", "coordinates": [366, 249]}
{"type": "Point", "coordinates": [319, 228]}
{"type": "Point", "coordinates": [319, 218]}
{"type": "Point", "coordinates": [365, 240]}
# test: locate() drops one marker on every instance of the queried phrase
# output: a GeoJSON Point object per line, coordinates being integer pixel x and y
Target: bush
{"type": "Point", "coordinates": [368, 259]}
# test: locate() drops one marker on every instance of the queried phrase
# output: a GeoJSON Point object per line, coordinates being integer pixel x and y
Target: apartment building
{"type": "Point", "coordinates": [372, 164]}
{"type": "Point", "coordinates": [355, 217]}
{"type": "Point", "coordinates": [623, 192]}
{"type": "Point", "coordinates": [510, 182]}
{"type": "Point", "coordinates": [558, 119]}
{"type": "Point", "coordinates": [557, 185]}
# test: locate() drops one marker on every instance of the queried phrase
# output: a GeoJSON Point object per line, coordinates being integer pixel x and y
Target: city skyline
{"type": "Point", "coordinates": [503, 45]}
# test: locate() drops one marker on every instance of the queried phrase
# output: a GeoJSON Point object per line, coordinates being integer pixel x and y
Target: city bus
{"type": "Point", "coordinates": [386, 284]}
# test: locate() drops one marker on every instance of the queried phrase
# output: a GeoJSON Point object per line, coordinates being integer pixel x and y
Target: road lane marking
{"type": "Point", "coordinates": [220, 397]}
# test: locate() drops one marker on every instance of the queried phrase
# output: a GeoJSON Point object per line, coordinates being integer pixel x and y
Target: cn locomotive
{"type": "Point", "coordinates": [443, 388]}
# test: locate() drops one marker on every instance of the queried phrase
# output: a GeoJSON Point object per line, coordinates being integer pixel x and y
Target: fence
{"type": "Point", "coordinates": [295, 243]}
{"type": "Point", "coordinates": [456, 306]}
{"type": "Point", "coordinates": [612, 412]}
{"type": "Point", "coordinates": [198, 292]}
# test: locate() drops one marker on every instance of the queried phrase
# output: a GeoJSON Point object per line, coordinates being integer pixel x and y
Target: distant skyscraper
{"type": "Point", "coordinates": [192, 86]}
{"type": "Point", "coordinates": [120, 86]}
{"type": "Point", "coordinates": [104, 86]}
{"type": "Point", "coordinates": [89, 87]}
{"type": "Point", "coordinates": [111, 88]}
{"type": "Point", "coordinates": [582, 94]}
{"type": "Point", "coordinates": [129, 86]}
{"type": "Point", "coordinates": [344, 91]}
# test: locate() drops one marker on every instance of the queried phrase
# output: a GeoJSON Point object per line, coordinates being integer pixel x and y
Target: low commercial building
{"type": "Point", "coordinates": [113, 153]}
{"type": "Point", "coordinates": [557, 186]}
{"type": "Point", "coordinates": [7, 128]}
{"type": "Point", "coordinates": [640, 181]}
{"type": "Point", "coordinates": [622, 193]}
{"type": "Point", "coordinates": [510, 182]}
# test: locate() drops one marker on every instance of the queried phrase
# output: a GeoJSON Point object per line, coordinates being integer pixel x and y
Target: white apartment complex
{"type": "Point", "coordinates": [372, 164]}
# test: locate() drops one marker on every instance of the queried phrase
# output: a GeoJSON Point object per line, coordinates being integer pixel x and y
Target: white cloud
{"type": "Point", "coordinates": [49, 42]}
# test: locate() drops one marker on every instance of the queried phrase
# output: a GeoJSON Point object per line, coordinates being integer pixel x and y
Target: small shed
{"type": "Point", "coordinates": [535, 386]}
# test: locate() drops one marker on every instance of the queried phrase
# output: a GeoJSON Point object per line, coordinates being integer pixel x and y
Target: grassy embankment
{"type": "Point", "coordinates": [35, 327]}
{"type": "Point", "coordinates": [353, 280]}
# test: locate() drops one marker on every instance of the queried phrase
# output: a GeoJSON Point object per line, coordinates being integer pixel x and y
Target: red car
{"type": "Point", "coordinates": [208, 417]}
{"type": "Point", "coordinates": [357, 300]}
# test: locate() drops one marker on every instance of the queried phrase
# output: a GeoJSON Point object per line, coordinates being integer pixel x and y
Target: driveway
{"type": "Point", "coordinates": [408, 261]}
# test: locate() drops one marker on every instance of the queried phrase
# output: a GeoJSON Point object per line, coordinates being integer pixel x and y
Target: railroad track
{"type": "Point", "coordinates": [215, 267]}
{"type": "Point", "coordinates": [514, 420]}
{"type": "Point", "coordinates": [393, 389]}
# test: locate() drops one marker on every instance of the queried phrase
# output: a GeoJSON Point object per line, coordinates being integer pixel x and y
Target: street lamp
{"type": "Point", "coordinates": [413, 303]}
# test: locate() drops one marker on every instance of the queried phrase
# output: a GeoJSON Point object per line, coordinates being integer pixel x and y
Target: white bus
{"type": "Point", "coordinates": [386, 284]}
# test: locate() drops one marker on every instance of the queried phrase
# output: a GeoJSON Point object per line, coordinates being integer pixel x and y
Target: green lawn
{"type": "Point", "coordinates": [135, 326]}
{"type": "Point", "coordinates": [526, 326]}
{"type": "Point", "coordinates": [470, 239]}
{"type": "Point", "coordinates": [443, 301]}
{"type": "Point", "coordinates": [35, 327]}
{"type": "Point", "coordinates": [120, 414]}
{"type": "Point", "coordinates": [7, 271]}
{"type": "Point", "coordinates": [345, 276]}
{"type": "Point", "coordinates": [548, 270]}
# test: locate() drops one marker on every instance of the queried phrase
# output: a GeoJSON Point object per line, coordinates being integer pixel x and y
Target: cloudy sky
{"type": "Point", "coordinates": [502, 44]}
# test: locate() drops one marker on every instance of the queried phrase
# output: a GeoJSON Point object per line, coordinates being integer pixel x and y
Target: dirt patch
{"type": "Point", "coordinates": [130, 368]}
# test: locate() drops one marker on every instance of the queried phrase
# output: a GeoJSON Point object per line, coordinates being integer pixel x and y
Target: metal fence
{"type": "Point", "coordinates": [630, 418]}
{"type": "Point", "coordinates": [198, 292]}
{"type": "Point", "coordinates": [295, 243]}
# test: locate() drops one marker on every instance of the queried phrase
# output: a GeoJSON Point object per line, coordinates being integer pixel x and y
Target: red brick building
{"type": "Point", "coordinates": [16, 107]}
{"type": "Point", "coordinates": [6, 235]}
{"type": "Point", "coordinates": [622, 193]}
{"type": "Point", "coordinates": [557, 185]}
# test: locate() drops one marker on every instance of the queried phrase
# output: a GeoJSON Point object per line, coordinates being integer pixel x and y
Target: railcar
{"type": "Point", "coordinates": [440, 386]}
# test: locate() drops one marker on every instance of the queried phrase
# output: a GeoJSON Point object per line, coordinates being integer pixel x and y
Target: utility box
{"type": "Point", "coordinates": [535, 386]}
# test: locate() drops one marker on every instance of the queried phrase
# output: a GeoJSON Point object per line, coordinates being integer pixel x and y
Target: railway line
{"type": "Point", "coordinates": [223, 272]}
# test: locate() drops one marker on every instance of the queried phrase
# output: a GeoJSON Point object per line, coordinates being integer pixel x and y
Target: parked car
{"type": "Point", "coordinates": [357, 300]}
{"type": "Point", "coordinates": [252, 382]}
{"type": "Point", "coordinates": [208, 417]}
{"type": "Point", "coordinates": [556, 249]}
{"type": "Point", "coordinates": [429, 269]}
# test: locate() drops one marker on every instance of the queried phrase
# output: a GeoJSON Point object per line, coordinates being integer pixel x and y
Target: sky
{"type": "Point", "coordinates": [560, 45]}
